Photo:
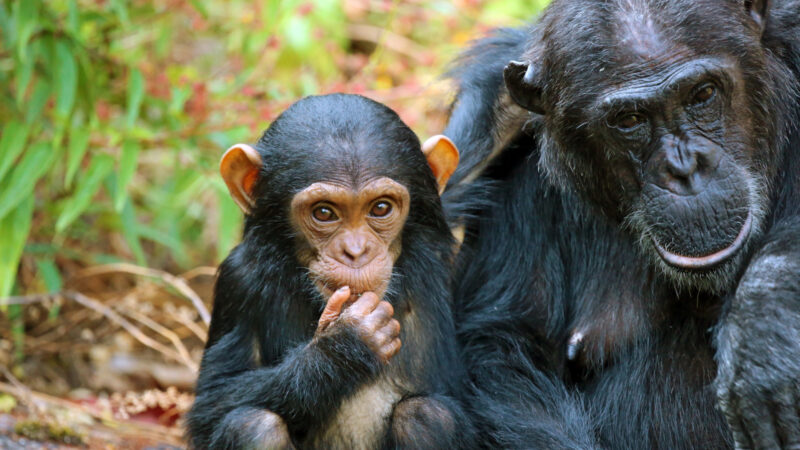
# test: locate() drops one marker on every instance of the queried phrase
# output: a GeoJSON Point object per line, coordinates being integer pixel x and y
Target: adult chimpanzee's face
{"type": "Point", "coordinates": [695, 202]}
{"type": "Point", "coordinates": [660, 118]}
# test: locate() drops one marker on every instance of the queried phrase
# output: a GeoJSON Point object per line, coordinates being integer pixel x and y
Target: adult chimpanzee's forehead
{"type": "Point", "coordinates": [590, 29]}
{"type": "Point", "coordinates": [590, 46]}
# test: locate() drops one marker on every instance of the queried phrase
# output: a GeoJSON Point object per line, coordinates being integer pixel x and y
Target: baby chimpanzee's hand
{"type": "Point", "coordinates": [368, 316]}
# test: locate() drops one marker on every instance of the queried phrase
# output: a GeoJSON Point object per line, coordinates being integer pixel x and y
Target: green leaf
{"type": "Point", "coordinates": [199, 7]}
{"type": "Point", "coordinates": [37, 101]}
{"type": "Point", "coordinates": [57, 139]}
{"type": "Point", "coordinates": [127, 168]}
{"type": "Point", "coordinates": [230, 222]}
{"type": "Point", "coordinates": [7, 402]}
{"type": "Point", "coordinates": [165, 238]}
{"type": "Point", "coordinates": [298, 33]}
{"type": "Point", "coordinates": [27, 18]}
{"type": "Point", "coordinates": [6, 27]}
{"type": "Point", "coordinates": [23, 177]}
{"type": "Point", "coordinates": [49, 274]}
{"type": "Point", "coordinates": [130, 232]}
{"type": "Point", "coordinates": [52, 314]}
{"type": "Point", "coordinates": [12, 142]}
{"type": "Point", "coordinates": [223, 139]}
{"type": "Point", "coordinates": [23, 74]}
{"type": "Point", "coordinates": [178, 100]}
{"type": "Point", "coordinates": [88, 83]}
{"type": "Point", "coordinates": [121, 9]}
{"type": "Point", "coordinates": [14, 228]}
{"type": "Point", "coordinates": [100, 166]}
{"type": "Point", "coordinates": [17, 319]}
{"type": "Point", "coordinates": [135, 95]}
{"type": "Point", "coordinates": [73, 23]}
{"type": "Point", "coordinates": [78, 143]}
{"type": "Point", "coordinates": [66, 79]}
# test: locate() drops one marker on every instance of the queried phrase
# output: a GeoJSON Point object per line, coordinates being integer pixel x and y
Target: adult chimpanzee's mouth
{"type": "Point", "coordinates": [707, 261]}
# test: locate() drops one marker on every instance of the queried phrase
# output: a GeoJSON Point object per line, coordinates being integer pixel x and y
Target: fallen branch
{"type": "Point", "coordinates": [177, 282]}
{"type": "Point", "coordinates": [201, 271]}
{"type": "Point", "coordinates": [163, 331]}
{"type": "Point", "coordinates": [39, 400]}
{"type": "Point", "coordinates": [23, 392]}
{"type": "Point", "coordinates": [129, 327]}
{"type": "Point", "coordinates": [25, 299]}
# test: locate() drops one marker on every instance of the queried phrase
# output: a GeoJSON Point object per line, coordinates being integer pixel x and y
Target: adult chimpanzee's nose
{"type": "Point", "coordinates": [355, 249]}
{"type": "Point", "coordinates": [686, 165]}
{"type": "Point", "coordinates": [681, 164]}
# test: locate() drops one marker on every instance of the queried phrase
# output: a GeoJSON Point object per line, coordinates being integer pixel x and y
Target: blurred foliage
{"type": "Point", "coordinates": [113, 113]}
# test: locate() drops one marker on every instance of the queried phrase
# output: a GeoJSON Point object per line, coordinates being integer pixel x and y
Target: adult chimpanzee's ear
{"type": "Point", "coordinates": [523, 86]}
{"type": "Point", "coordinates": [442, 157]}
{"type": "Point", "coordinates": [758, 10]}
{"type": "Point", "coordinates": [239, 168]}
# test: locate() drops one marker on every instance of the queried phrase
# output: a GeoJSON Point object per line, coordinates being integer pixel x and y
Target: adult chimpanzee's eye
{"type": "Point", "coordinates": [381, 209]}
{"type": "Point", "coordinates": [629, 121]}
{"type": "Point", "coordinates": [703, 94]}
{"type": "Point", "coordinates": [324, 214]}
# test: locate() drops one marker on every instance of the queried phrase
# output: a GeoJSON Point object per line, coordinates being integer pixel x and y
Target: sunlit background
{"type": "Point", "coordinates": [113, 117]}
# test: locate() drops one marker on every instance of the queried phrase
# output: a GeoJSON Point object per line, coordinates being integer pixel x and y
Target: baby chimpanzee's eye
{"type": "Point", "coordinates": [381, 209]}
{"type": "Point", "coordinates": [324, 214]}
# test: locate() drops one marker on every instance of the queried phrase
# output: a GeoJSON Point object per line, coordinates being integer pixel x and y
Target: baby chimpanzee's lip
{"type": "Point", "coordinates": [327, 290]}
{"type": "Point", "coordinates": [707, 261]}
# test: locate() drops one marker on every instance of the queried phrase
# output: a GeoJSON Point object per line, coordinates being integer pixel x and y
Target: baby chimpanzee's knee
{"type": "Point", "coordinates": [253, 428]}
{"type": "Point", "coordinates": [423, 422]}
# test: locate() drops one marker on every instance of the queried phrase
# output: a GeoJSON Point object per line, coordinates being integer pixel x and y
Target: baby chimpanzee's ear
{"type": "Point", "coordinates": [442, 157]}
{"type": "Point", "coordinates": [239, 168]}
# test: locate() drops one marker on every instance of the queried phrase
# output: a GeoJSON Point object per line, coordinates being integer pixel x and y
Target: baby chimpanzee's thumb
{"type": "Point", "coordinates": [334, 306]}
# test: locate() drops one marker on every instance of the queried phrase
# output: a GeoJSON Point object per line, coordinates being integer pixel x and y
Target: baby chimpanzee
{"type": "Point", "coordinates": [345, 254]}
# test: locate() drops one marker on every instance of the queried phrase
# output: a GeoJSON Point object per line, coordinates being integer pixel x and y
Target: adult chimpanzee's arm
{"type": "Point", "coordinates": [510, 319]}
{"type": "Point", "coordinates": [517, 405]}
{"type": "Point", "coordinates": [484, 118]}
{"type": "Point", "coordinates": [758, 346]}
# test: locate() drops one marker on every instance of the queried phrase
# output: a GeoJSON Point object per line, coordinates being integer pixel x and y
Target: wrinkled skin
{"type": "Point", "coordinates": [758, 341]}
{"type": "Point", "coordinates": [634, 170]}
{"type": "Point", "coordinates": [345, 252]}
{"type": "Point", "coordinates": [351, 235]}
{"type": "Point", "coordinates": [370, 318]}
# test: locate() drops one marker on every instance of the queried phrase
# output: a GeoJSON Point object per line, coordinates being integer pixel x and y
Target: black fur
{"type": "Point", "coordinates": [259, 356]}
{"type": "Point", "coordinates": [574, 335]}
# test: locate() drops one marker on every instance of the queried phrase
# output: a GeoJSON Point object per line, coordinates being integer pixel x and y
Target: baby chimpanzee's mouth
{"type": "Point", "coordinates": [707, 261]}
{"type": "Point", "coordinates": [327, 288]}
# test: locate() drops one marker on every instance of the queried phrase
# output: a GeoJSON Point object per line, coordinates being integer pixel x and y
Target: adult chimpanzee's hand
{"type": "Point", "coordinates": [758, 350]}
{"type": "Point", "coordinates": [368, 316]}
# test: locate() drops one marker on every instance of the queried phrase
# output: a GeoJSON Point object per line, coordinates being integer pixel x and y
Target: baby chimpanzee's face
{"type": "Point", "coordinates": [350, 235]}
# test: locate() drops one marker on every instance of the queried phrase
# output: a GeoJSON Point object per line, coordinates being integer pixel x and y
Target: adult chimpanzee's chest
{"type": "Point", "coordinates": [667, 375]}
{"type": "Point", "coordinates": [637, 350]}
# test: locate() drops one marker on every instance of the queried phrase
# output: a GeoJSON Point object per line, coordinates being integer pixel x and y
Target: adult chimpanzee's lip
{"type": "Point", "coordinates": [707, 261]}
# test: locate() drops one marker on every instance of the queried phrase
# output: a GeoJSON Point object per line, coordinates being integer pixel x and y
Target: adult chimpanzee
{"type": "Point", "coordinates": [340, 205]}
{"type": "Point", "coordinates": [631, 274]}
